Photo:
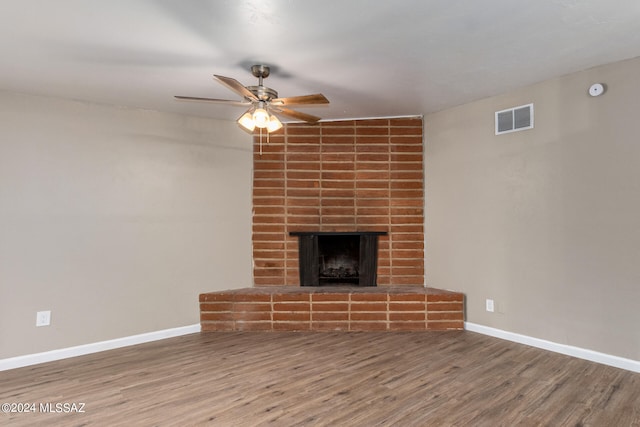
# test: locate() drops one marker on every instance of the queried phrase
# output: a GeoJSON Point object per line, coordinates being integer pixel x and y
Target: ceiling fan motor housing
{"type": "Point", "coordinates": [263, 93]}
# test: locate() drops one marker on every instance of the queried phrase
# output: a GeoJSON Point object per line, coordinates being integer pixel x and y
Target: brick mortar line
{"type": "Point", "coordinates": [272, 310]}
{"type": "Point", "coordinates": [389, 219]}
{"type": "Point", "coordinates": [285, 221]}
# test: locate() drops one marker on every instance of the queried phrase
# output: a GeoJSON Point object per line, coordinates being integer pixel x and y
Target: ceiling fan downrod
{"type": "Point", "coordinates": [263, 92]}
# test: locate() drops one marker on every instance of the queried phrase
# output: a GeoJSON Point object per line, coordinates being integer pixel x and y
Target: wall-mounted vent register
{"type": "Point", "coordinates": [514, 119]}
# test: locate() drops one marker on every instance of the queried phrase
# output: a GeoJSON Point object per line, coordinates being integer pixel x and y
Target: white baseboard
{"type": "Point", "coordinates": [581, 353]}
{"type": "Point", "coordinates": [64, 353]}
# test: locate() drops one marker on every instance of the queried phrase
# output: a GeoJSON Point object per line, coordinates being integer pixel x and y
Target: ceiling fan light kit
{"type": "Point", "coordinates": [263, 103]}
{"type": "Point", "coordinates": [259, 118]}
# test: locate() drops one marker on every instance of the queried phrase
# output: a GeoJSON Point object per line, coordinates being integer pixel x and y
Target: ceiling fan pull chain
{"type": "Point", "coordinates": [260, 142]}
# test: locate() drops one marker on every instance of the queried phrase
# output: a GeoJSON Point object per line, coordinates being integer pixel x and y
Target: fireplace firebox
{"type": "Point", "coordinates": [338, 258]}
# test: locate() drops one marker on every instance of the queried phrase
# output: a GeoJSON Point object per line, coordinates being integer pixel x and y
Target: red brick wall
{"type": "Point", "coordinates": [362, 175]}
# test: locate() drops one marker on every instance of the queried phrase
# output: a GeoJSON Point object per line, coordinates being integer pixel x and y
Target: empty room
{"type": "Point", "coordinates": [338, 213]}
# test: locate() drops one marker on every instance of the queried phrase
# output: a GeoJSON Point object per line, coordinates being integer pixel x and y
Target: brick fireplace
{"type": "Point", "coordinates": [344, 176]}
{"type": "Point", "coordinates": [351, 178]}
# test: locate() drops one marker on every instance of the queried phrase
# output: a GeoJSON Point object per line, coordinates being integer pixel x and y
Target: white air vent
{"type": "Point", "coordinates": [514, 119]}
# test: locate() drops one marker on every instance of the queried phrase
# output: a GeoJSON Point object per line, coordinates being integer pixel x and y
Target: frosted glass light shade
{"type": "Point", "coordinates": [246, 121]}
{"type": "Point", "coordinates": [274, 124]}
{"type": "Point", "coordinates": [261, 118]}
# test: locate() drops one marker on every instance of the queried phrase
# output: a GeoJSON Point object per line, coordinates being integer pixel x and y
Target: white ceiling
{"type": "Point", "coordinates": [371, 58]}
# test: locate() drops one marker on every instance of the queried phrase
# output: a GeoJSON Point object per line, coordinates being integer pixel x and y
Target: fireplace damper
{"type": "Point", "coordinates": [338, 258]}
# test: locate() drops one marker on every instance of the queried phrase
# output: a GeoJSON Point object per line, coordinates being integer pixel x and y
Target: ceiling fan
{"type": "Point", "coordinates": [263, 102]}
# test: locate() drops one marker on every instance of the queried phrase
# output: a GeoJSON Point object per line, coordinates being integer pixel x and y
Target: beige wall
{"type": "Point", "coordinates": [115, 220]}
{"type": "Point", "coordinates": [544, 221]}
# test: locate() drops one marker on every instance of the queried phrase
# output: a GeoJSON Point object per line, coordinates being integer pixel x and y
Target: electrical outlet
{"type": "Point", "coordinates": [490, 305]}
{"type": "Point", "coordinates": [43, 318]}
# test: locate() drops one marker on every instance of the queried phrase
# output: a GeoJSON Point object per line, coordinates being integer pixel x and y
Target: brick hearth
{"type": "Point", "coordinates": [286, 308]}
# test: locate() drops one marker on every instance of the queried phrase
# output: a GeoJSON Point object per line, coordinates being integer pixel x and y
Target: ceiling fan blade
{"type": "Point", "coordinates": [237, 87]}
{"type": "Point", "coordinates": [316, 98]}
{"type": "Point", "coordinates": [295, 114]}
{"type": "Point", "coordinates": [218, 101]}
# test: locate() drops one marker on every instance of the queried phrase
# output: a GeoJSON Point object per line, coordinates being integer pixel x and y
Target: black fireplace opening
{"type": "Point", "coordinates": [338, 258]}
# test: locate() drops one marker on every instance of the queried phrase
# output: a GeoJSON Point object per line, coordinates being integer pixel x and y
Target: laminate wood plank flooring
{"type": "Point", "coordinates": [454, 378]}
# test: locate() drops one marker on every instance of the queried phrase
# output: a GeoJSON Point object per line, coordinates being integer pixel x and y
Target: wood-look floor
{"type": "Point", "coordinates": [327, 379]}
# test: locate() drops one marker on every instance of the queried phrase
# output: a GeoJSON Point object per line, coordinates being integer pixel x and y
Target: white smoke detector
{"type": "Point", "coordinates": [596, 89]}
